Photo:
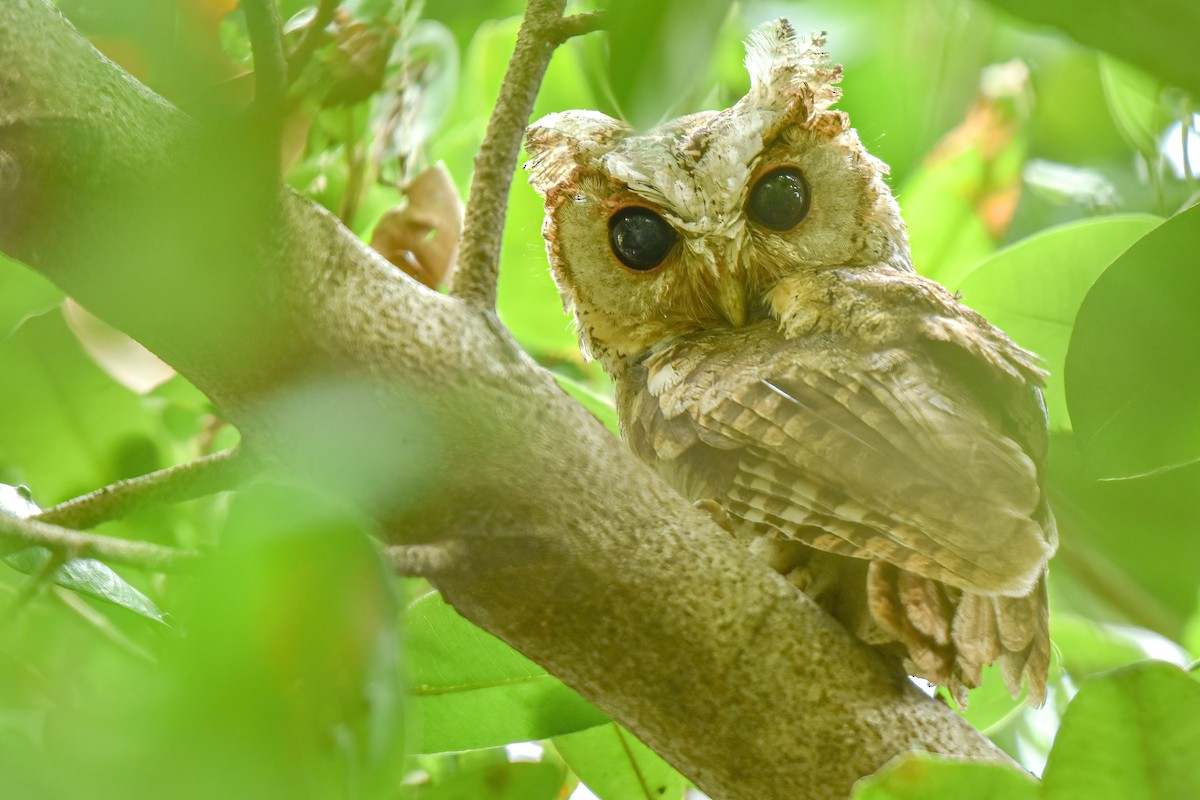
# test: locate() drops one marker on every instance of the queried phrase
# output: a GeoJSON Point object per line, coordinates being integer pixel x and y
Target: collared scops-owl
{"type": "Point", "coordinates": [744, 277]}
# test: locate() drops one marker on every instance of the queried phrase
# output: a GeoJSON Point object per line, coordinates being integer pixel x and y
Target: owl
{"type": "Point", "coordinates": [744, 277]}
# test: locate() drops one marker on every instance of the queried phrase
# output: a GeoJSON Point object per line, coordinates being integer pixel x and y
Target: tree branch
{"type": "Point", "coordinates": [17, 533]}
{"type": "Point", "coordinates": [270, 66]}
{"type": "Point", "coordinates": [204, 476]}
{"type": "Point", "coordinates": [578, 25]}
{"type": "Point", "coordinates": [571, 550]}
{"type": "Point", "coordinates": [479, 252]}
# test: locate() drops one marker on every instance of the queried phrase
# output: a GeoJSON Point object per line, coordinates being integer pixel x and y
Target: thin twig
{"type": "Point", "coordinates": [270, 66]}
{"type": "Point", "coordinates": [479, 252]}
{"type": "Point", "coordinates": [311, 39]}
{"type": "Point", "coordinates": [17, 533]}
{"type": "Point", "coordinates": [204, 476]}
{"type": "Point", "coordinates": [579, 24]}
{"type": "Point", "coordinates": [265, 118]}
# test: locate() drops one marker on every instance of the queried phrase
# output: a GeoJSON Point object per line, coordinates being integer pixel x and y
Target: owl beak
{"type": "Point", "coordinates": [731, 298]}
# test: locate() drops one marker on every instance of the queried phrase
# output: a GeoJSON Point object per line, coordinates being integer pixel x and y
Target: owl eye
{"type": "Point", "coordinates": [779, 200]}
{"type": "Point", "coordinates": [639, 238]}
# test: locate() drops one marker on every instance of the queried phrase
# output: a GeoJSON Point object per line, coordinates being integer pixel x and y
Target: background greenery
{"type": "Point", "coordinates": [1040, 154]}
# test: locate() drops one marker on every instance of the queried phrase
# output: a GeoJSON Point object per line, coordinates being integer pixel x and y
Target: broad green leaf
{"type": "Point", "coordinates": [1124, 554]}
{"type": "Point", "coordinates": [1133, 734]}
{"type": "Point", "coordinates": [23, 294]}
{"type": "Point", "coordinates": [89, 577]}
{"type": "Point", "coordinates": [65, 426]}
{"type": "Point", "coordinates": [923, 776]}
{"type": "Point", "coordinates": [945, 232]}
{"type": "Point", "coordinates": [1133, 365]}
{"type": "Point", "coordinates": [472, 690]}
{"type": "Point", "coordinates": [1159, 40]}
{"type": "Point", "coordinates": [1089, 647]}
{"type": "Point", "coordinates": [520, 781]}
{"type": "Point", "coordinates": [648, 80]}
{"type": "Point", "coordinates": [615, 765]}
{"type": "Point", "coordinates": [990, 704]}
{"type": "Point", "coordinates": [1033, 289]}
{"type": "Point", "coordinates": [86, 576]}
{"type": "Point", "coordinates": [1133, 100]}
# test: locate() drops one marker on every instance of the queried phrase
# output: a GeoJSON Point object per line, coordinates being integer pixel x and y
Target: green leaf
{"type": "Point", "coordinates": [521, 781]}
{"type": "Point", "coordinates": [89, 577]}
{"type": "Point", "coordinates": [1132, 98]}
{"type": "Point", "coordinates": [1131, 369]}
{"type": "Point", "coordinates": [601, 407]}
{"type": "Point", "coordinates": [1132, 734]}
{"type": "Point", "coordinates": [86, 576]}
{"type": "Point", "coordinates": [1160, 41]}
{"type": "Point", "coordinates": [1033, 289]}
{"type": "Point", "coordinates": [472, 690]}
{"type": "Point", "coordinates": [65, 426]}
{"type": "Point", "coordinates": [1089, 647]}
{"type": "Point", "coordinates": [615, 765]}
{"type": "Point", "coordinates": [23, 294]}
{"type": "Point", "coordinates": [648, 79]}
{"type": "Point", "coordinates": [945, 231]}
{"type": "Point", "coordinates": [923, 776]}
{"type": "Point", "coordinates": [990, 703]}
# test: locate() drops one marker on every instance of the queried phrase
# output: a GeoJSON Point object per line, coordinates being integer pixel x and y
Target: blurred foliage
{"type": "Point", "coordinates": [1047, 181]}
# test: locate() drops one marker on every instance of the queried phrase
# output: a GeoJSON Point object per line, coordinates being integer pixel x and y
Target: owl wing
{"type": "Point", "coordinates": [890, 453]}
{"type": "Point", "coordinates": [920, 458]}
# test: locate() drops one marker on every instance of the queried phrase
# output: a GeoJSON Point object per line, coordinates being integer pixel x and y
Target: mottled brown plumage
{"type": "Point", "coordinates": [870, 435]}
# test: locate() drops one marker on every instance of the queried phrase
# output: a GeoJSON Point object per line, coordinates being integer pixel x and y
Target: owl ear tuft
{"type": "Point", "coordinates": [783, 65]}
{"type": "Point", "coordinates": [560, 143]}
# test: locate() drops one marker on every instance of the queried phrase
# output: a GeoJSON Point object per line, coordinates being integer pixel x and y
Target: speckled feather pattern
{"type": "Point", "coordinates": [862, 429]}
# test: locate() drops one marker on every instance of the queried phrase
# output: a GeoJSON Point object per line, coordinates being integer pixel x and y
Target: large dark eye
{"type": "Point", "coordinates": [779, 200]}
{"type": "Point", "coordinates": [640, 238]}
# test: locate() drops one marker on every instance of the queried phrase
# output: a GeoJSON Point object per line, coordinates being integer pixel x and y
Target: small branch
{"type": "Point", "coordinates": [17, 533]}
{"type": "Point", "coordinates": [265, 118]}
{"type": "Point", "coordinates": [580, 24]}
{"type": "Point", "coordinates": [479, 253]}
{"type": "Point", "coordinates": [204, 476]}
{"type": "Point", "coordinates": [297, 60]}
{"type": "Point", "coordinates": [270, 66]}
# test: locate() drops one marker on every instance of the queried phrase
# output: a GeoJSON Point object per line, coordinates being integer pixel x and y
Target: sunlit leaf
{"type": "Point", "coordinates": [647, 81]}
{"type": "Point", "coordinates": [601, 407]}
{"type": "Point", "coordinates": [1131, 369]}
{"type": "Point", "coordinates": [497, 782]}
{"type": "Point", "coordinates": [64, 423]}
{"type": "Point", "coordinates": [23, 294]}
{"type": "Point", "coordinates": [88, 577]}
{"type": "Point", "coordinates": [1089, 648]}
{"type": "Point", "coordinates": [472, 690]}
{"type": "Point", "coordinates": [1133, 99]}
{"type": "Point", "coordinates": [991, 704]}
{"type": "Point", "coordinates": [1129, 734]}
{"type": "Point", "coordinates": [615, 765]}
{"type": "Point", "coordinates": [1033, 289]}
{"type": "Point", "coordinates": [1159, 42]}
{"type": "Point", "coordinates": [922, 776]}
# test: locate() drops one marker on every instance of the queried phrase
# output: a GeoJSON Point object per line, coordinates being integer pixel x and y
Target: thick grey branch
{"type": "Point", "coordinates": [570, 550]}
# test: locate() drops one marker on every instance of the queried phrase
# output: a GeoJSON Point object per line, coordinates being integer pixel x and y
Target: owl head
{"type": "Point", "coordinates": [688, 227]}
